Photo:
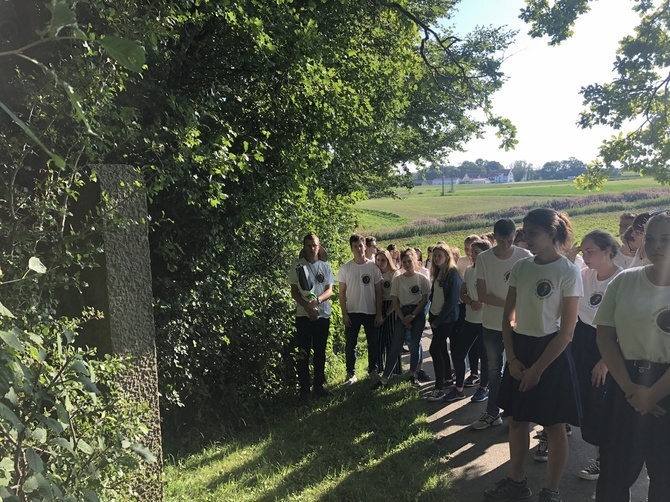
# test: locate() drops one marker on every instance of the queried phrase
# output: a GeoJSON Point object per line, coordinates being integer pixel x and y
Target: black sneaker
{"type": "Point", "coordinates": [549, 496]}
{"type": "Point", "coordinates": [507, 489]}
{"type": "Point", "coordinates": [422, 376]}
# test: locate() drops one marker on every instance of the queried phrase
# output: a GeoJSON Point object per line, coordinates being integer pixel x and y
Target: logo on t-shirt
{"type": "Point", "coordinates": [663, 321]}
{"type": "Point", "coordinates": [387, 284]}
{"type": "Point", "coordinates": [366, 279]}
{"type": "Point", "coordinates": [320, 278]}
{"type": "Point", "coordinates": [506, 276]}
{"type": "Point", "coordinates": [595, 299]}
{"type": "Point", "coordinates": [415, 289]}
{"type": "Point", "coordinates": [544, 289]}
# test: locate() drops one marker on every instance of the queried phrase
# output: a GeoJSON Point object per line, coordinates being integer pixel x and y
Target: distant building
{"type": "Point", "coordinates": [479, 181]}
{"type": "Point", "coordinates": [501, 176]}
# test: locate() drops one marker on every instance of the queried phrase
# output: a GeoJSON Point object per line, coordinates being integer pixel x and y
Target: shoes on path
{"type": "Point", "coordinates": [422, 376]}
{"type": "Point", "coordinates": [549, 496]}
{"type": "Point", "coordinates": [542, 452]}
{"type": "Point", "coordinates": [507, 489]}
{"type": "Point", "coordinates": [482, 394]}
{"type": "Point", "coordinates": [453, 395]}
{"type": "Point", "coordinates": [435, 395]}
{"type": "Point", "coordinates": [471, 380]}
{"type": "Point", "coordinates": [486, 421]}
{"type": "Point", "coordinates": [351, 379]}
{"type": "Point", "coordinates": [592, 472]}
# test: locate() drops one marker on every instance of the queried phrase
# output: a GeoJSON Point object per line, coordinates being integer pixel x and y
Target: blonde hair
{"type": "Point", "coordinates": [440, 273]}
{"type": "Point", "coordinates": [389, 259]}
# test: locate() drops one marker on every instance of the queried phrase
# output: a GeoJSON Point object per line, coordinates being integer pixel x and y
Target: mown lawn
{"type": "Point", "coordinates": [355, 445]}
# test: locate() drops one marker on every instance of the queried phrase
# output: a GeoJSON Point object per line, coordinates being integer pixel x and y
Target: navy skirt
{"type": "Point", "coordinates": [555, 399]}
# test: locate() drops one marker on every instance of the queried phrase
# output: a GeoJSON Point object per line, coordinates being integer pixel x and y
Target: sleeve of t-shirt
{"type": "Point", "coordinates": [514, 274]}
{"type": "Point", "coordinates": [481, 268]}
{"type": "Point", "coordinates": [342, 274]}
{"type": "Point", "coordinates": [572, 283]}
{"type": "Point", "coordinates": [605, 313]}
{"type": "Point", "coordinates": [329, 275]}
{"type": "Point", "coordinates": [395, 286]}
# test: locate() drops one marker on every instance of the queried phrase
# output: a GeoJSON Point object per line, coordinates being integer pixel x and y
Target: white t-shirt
{"type": "Point", "coordinates": [360, 281]}
{"type": "Point", "coordinates": [579, 261]}
{"type": "Point", "coordinates": [640, 312]}
{"type": "Point", "coordinates": [409, 290]}
{"type": "Point", "coordinates": [424, 271]}
{"type": "Point", "coordinates": [387, 280]}
{"type": "Point", "coordinates": [540, 290]}
{"type": "Point", "coordinates": [496, 272]}
{"type": "Point", "coordinates": [623, 260]}
{"type": "Point", "coordinates": [637, 261]}
{"type": "Point", "coordinates": [594, 290]}
{"type": "Point", "coordinates": [321, 275]}
{"type": "Point", "coordinates": [438, 299]}
{"type": "Point", "coordinates": [473, 316]}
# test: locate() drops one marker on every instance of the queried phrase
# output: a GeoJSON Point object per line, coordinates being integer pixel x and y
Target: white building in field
{"type": "Point", "coordinates": [502, 176]}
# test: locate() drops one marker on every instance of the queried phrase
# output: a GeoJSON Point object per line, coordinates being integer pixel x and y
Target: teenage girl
{"type": "Point", "coordinates": [633, 336]}
{"type": "Point", "coordinates": [598, 249]}
{"type": "Point", "coordinates": [537, 384]}
{"type": "Point", "coordinates": [389, 271]}
{"type": "Point", "coordinates": [444, 312]}
{"type": "Point", "coordinates": [638, 226]}
{"type": "Point", "coordinates": [409, 294]}
{"type": "Point", "coordinates": [470, 334]}
{"type": "Point", "coordinates": [475, 353]}
{"type": "Point", "coordinates": [627, 250]}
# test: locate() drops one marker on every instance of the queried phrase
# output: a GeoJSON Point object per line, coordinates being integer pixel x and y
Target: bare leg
{"type": "Point", "coordinates": [558, 455]}
{"type": "Point", "coordinates": [519, 442]}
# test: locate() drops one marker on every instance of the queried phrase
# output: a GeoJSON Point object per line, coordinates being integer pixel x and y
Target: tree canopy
{"type": "Point", "coordinates": [636, 101]}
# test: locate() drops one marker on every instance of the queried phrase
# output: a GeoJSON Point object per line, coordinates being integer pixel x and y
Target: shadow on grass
{"type": "Point", "coordinates": [355, 445]}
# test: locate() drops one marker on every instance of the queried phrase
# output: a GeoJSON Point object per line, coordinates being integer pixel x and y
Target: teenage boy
{"type": "Point", "coordinates": [370, 248]}
{"type": "Point", "coordinates": [360, 292]}
{"type": "Point", "coordinates": [493, 268]}
{"type": "Point", "coordinates": [311, 283]}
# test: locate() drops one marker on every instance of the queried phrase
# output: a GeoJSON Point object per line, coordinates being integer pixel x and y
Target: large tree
{"type": "Point", "coordinates": [252, 122]}
{"type": "Point", "coordinates": [637, 99]}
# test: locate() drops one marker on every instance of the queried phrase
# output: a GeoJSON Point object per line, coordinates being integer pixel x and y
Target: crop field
{"type": "Point", "coordinates": [423, 217]}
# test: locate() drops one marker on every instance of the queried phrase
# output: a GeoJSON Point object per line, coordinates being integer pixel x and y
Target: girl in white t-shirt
{"type": "Point", "coordinates": [598, 249]}
{"type": "Point", "coordinates": [633, 335]}
{"type": "Point", "coordinates": [538, 322]}
{"type": "Point", "coordinates": [409, 294]}
{"type": "Point", "coordinates": [387, 267]}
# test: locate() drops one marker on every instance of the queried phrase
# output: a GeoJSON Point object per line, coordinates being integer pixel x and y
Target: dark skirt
{"type": "Point", "coordinates": [586, 355]}
{"type": "Point", "coordinates": [385, 334]}
{"type": "Point", "coordinates": [554, 400]}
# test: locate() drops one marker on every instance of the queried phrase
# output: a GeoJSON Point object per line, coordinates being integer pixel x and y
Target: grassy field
{"type": "Point", "coordinates": [423, 217]}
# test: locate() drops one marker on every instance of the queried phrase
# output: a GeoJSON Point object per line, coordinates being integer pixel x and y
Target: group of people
{"type": "Point", "coordinates": [566, 335]}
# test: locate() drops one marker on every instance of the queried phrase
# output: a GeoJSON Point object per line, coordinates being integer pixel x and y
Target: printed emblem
{"type": "Point", "coordinates": [595, 299]}
{"type": "Point", "coordinates": [320, 278]}
{"type": "Point", "coordinates": [544, 289]}
{"type": "Point", "coordinates": [366, 279]}
{"type": "Point", "coordinates": [387, 284]}
{"type": "Point", "coordinates": [415, 289]}
{"type": "Point", "coordinates": [663, 321]}
{"type": "Point", "coordinates": [506, 276]}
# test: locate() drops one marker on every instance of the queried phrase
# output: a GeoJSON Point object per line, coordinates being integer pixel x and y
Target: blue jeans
{"type": "Point", "coordinates": [351, 334]}
{"type": "Point", "coordinates": [493, 345]}
{"type": "Point", "coordinates": [398, 338]}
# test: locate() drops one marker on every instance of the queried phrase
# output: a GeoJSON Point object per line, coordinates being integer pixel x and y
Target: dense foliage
{"type": "Point", "coordinates": [636, 101]}
{"type": "Point", "coordinates": [252, 122]}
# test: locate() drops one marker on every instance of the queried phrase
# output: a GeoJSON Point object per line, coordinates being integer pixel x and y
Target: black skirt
{"type": "Point", "coordinates": [555, 399]}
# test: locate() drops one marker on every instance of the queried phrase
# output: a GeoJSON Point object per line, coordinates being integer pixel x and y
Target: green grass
{"type": "Point", "coordinates": [354, 445]}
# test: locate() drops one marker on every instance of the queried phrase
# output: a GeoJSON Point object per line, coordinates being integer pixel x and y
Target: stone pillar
{"type": "Point", "coordinates": [129, 295]}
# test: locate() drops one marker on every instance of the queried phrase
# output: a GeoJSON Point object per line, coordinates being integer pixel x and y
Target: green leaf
{"type": "Point", "coordinates": [61, 16]}
{"type": "Point", "coordinates": [128, 53]}
{"type": "Point", "coordinates": [64, 443]}
{"type": "Point", "coordinates": [84, 447]}
{"type": "Point", "coordinates": [80, 367]}
{"type": "Point", "coordinates": [34, 460]}
{"type": "Point", "coordinates": [10, 338]}
{"type": "Point", "coordinates": [11, 396]}
{"type": "Point", "coordinates": [58, 160]}
{"type": "Point", "coordinates": [36, 265]}
{"type": "Point", "coordinates": [5, 312]}
{"type": "Point", "coordinates": [31, 485]}
{"type": "Point", "coordinates": [52, 424]}
{"type": "Point", "coordinates": [90, 495]}
{"type": "Point", "coordinates": [10, 416]}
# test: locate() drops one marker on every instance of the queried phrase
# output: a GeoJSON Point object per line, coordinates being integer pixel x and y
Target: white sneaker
{"type": "Point", "coordinates": [351, 379]}
{"type": "Point", "coordinates": [435, 395]}
{"type": "Point", "coordinates": [486, 421]}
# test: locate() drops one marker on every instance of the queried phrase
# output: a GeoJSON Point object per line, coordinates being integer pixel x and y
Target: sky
{"type": "Point", "coordinates": [541, 96]}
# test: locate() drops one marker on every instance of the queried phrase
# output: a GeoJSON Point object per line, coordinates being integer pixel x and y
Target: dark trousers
{"type": "Point", "coordinates": [399, 332]}
{"type": "Point", "coordinates": [461, 345]}
{"type": "Point", "coordinates": [311, 335]}
{"type": "Point", "coordinates": [631, 440]}
{"type": "Point", "coordinates": [351, 334]}
{"type": "Point", "coordinates": [440, 335]}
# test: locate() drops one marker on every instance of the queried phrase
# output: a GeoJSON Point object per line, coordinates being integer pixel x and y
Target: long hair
{"type": "Point", "coordinates": [554, 223]}
{"type": "Point", "coordinates": [439, 274]}
{"type": "Point", "coordinates": [390, 260]}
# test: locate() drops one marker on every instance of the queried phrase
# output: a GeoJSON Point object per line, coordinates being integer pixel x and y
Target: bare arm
{"type": "Point", "coordinates": [327, 293]}
{"type": "Point", "coordinates": [516, 367]}
{"type": "Point", "coordinates": [343, 303]}
{"type": "Point", "coordinates": [487, 298]}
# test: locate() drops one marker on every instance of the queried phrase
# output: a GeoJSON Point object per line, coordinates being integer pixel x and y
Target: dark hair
{"type": "Point", "coordinates": [411, 253]}
{"type": "Point", "coordinates": [554, 223]}
{"type": "Point", "coordinates": [419, 254]}
{"type": "Point", "coordinates": [370, 241]}
{"type": "Point", "coordinates": [311, 236]}
{"type": "Point", "coordinates": [604, 241]}
{"type": "Point", "coordinates": [504, 227]}
{"type": "Point", "coordinates": [482, 245]}
{"type": "Point", "coordinates": [392, 247]}
{"type": "Point", "coordinates": [664, 215]}
{"type": "Point", "coordinates": [640, 221]}
{"type": "Point", "coordinates": [627, 216]}
{"type": "Point", "coordinates": [519, 237]}
{"type": "Point", "coordinates": [356, 238]}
